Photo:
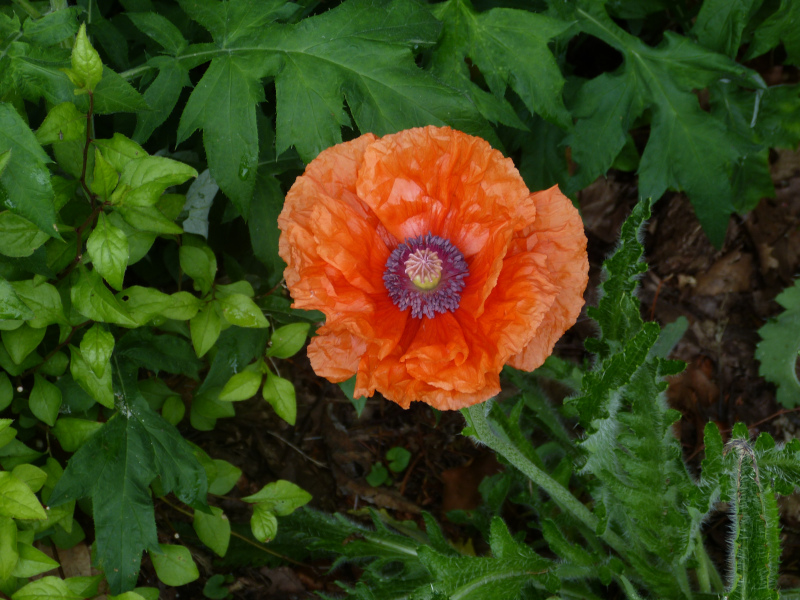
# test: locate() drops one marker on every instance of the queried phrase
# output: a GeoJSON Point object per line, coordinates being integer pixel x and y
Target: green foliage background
{"type": "Point", "coordinates": [145, 148]}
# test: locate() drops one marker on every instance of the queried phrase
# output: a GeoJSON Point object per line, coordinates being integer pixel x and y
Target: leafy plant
{"type": "Point", "coordinates": [779, 347]}
{"type": "Point", "coordinates": [145, 148]}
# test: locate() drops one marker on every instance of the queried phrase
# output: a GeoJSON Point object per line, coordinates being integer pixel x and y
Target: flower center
{"type": "Point", "coordinates": [427, 274]}
{"type": "Point", "coordinates": [424, 268]}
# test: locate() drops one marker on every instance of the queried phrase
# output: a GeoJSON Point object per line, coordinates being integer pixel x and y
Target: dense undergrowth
{"type": "Point", "coordinates": [145, 149]}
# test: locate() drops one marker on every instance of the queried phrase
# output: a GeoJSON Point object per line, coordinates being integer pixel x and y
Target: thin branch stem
{"type": "Point", "coordinates": [239, 536]}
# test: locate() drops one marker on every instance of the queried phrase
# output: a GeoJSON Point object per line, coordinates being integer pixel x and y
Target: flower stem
{"type": "Point", "coordinates": [483, 432]}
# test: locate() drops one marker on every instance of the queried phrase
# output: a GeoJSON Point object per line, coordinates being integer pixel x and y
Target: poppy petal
{"type": "Point", "coordinates": [558, 235]}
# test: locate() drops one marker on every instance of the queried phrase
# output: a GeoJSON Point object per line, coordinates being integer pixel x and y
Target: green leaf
{"type": "Point", "coordinates": [94, 300]}
{"type": "Point", "coordinates": [281, 497]}
{"type": "Point", "coordinates": [120, 150]}
{"type": "Point", "coordinates": [25, 183]}
{"type": "Point", "coordinates": [200, 264]}
{"type": "Point", "coordinates": [17, 500]}
{"type": "Point", "coordinates": [199, 199]}
{"type": "Point", "coordinates": [11, 307]}
{"type": "Point", "coordinates": [158, 353]}
{"type": "Point", "coordinates": [779, 346]}
{"type": "Point", "coordinates": [96, 348]}
{"type": "Point", "coordinates": [32, 562]}
{"type": "Point", "coordinates": [215, 588]}
{"type": "Point", "coordinates": [280, 393]}
{"type": "Point", "coordinates": [5, 158]}
{"type": "Point", "coordinates": [263, 224]}
{"type": "Point", "coordinates": [226, 478]}
{"type": "Point", "coordinates": [18, 236]}
{"type": "Point", "coordinates": [780, 26]}
{"type": "Point", "coordinates": [688, 149]}
{"type": "Point", "coordinates": [64, 123]}
{"type": "Point", "coordinates": [139, 242]}
{"type": "Point", "coordinates": [720, 24]}
{"type": "Point", "coordinates": [6, 393]}
{"type": "Point", "coordinates": [99, 388]}
{"type": "Point", "coordinates": [149, 176]}
{"type": "Point", "coordinates": [160, 29]}
{"type": "Point", "coordinates": [214, 530]}
{"type": "Point", "coordinates": [174, 565]}
{"type": "Point", "coordinates": [173, 410]}
{"type": "Point", "coordinates": [287, 341]}
{"type": "Point", "coordinates": [263, 523]}
{"type": "Point", "coordinates": [238, 309]}
{"type": "Point", "coordinates": [241, 386]}
{"type": "Point", "coordinates": [43, 299]}
{"type": "Point", "coordinates": [145, 303]}
{"type": "Point", "coordinates": [46, 588]}
{"type": "Point", "coordinates": [509, 47]}
{"type": "Point", "coordinates": [8, 547]}
{"type": "Point", "coordinates": [115, 467]}
{"type": "Point", "coordinates": [398, 457]}
{"type": "Point", "coordinates": [45, 400]}
{"type": "Point", "coordinates": [73, 433]}
{"type": "Point", "coordinates": [87, 68]}
{"type": "Point", "coordinates": [161, 96]}
{"type": "Point", "coordinates": [377, 476]}
{"type": "Point", "coordinates": [22, 341]}
{"type": "Point", "coordinates": [148, 218]}
{"type": "Point", "coordinates": [108, 249]}
{"type": "Point", "coordinates": [205, 327]}
{"type": "Point", "coordinates": [105, 178]}
{"type": "Point", "coordinates": [53, 27]}
{"type": "Point", "coordinates": [32, 476]}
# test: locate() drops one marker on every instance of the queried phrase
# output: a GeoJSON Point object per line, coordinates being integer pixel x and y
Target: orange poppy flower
{"type": "Point", "coordinates": [433, 263]}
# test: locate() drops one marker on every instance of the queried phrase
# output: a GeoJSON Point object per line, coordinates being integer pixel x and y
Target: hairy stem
{"type": "Point", "coordinates": [484, 433]}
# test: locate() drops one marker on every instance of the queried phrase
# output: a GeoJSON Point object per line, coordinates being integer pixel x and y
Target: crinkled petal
{"type": "Point", "coordinates": [335, 354]}
{"type": "Point", "coordinates": [443, 181]}
{"type": "Point", "coordinates": [558, 235]}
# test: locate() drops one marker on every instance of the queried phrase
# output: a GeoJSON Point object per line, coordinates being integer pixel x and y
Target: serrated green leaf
{"type": "Point", "coordinates": [779, 346]}
{"type": "Point", "coordinates": [45, 400]}
{"type": "Point", "coordinates": [720, 24]}
{"type": "Point", "coordinates": [780, 26]}
{"type": "Point", "coordinates": [287, 341]}
{"type": "Point", "coordinates": [174, 565]}
{"type": "Point", "coordinates": [161, 96]}
{"type": "Point", "coordinates": [159, 29]}
{"type": "Point", "coordinates": [17, 500]}
{"type": "Point", "coordinates": [238, 309]}
{"type": "Point", "coordinates": [96, 348]}
{"type": "Point", "coordinates": [200, 264]}
{"type": "Point", "coordinates": [108, 249]}
{"type": "Point", "coordinates": [280, 394]}
{"type": "Point", "coordinates": [53, 27]}
{"type": "Point", "coordinates": [86, 64]}
{"type": "Point", "coordinates": [157, 173]}
{"type": "Point", "coordinates": [73, 433]}
{"type": "Point", "coordinates": [120, 150]}
{"type": "Point", "coordinates": [64, 123]}
{"type": "Point", "coordinates": [25, 184]}
{"type": "Point", "coordinates": [115, 468]}
{"type": "Point", "coordinates": [214, 530]}
{"type": "Point", "coordinates": [99, 388]}
{"type": "Point", "coordinates": [263, 523]}
{"type": "Point", "coordinates": [281, 497]}
{"type": "Point", "coordinates": [509, 47]}
{"type": "Point", "coordinates": [241, 386]}
{"type": "Point", "coordinates": [20, 342]}
{"type": "Point", "coordinates": [205, 328]}
{"type": "Point", "coordinates": [18, 236]}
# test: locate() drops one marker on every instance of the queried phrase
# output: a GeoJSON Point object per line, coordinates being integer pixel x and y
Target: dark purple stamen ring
{"type": "Point", "coordinates": [445, 295]}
